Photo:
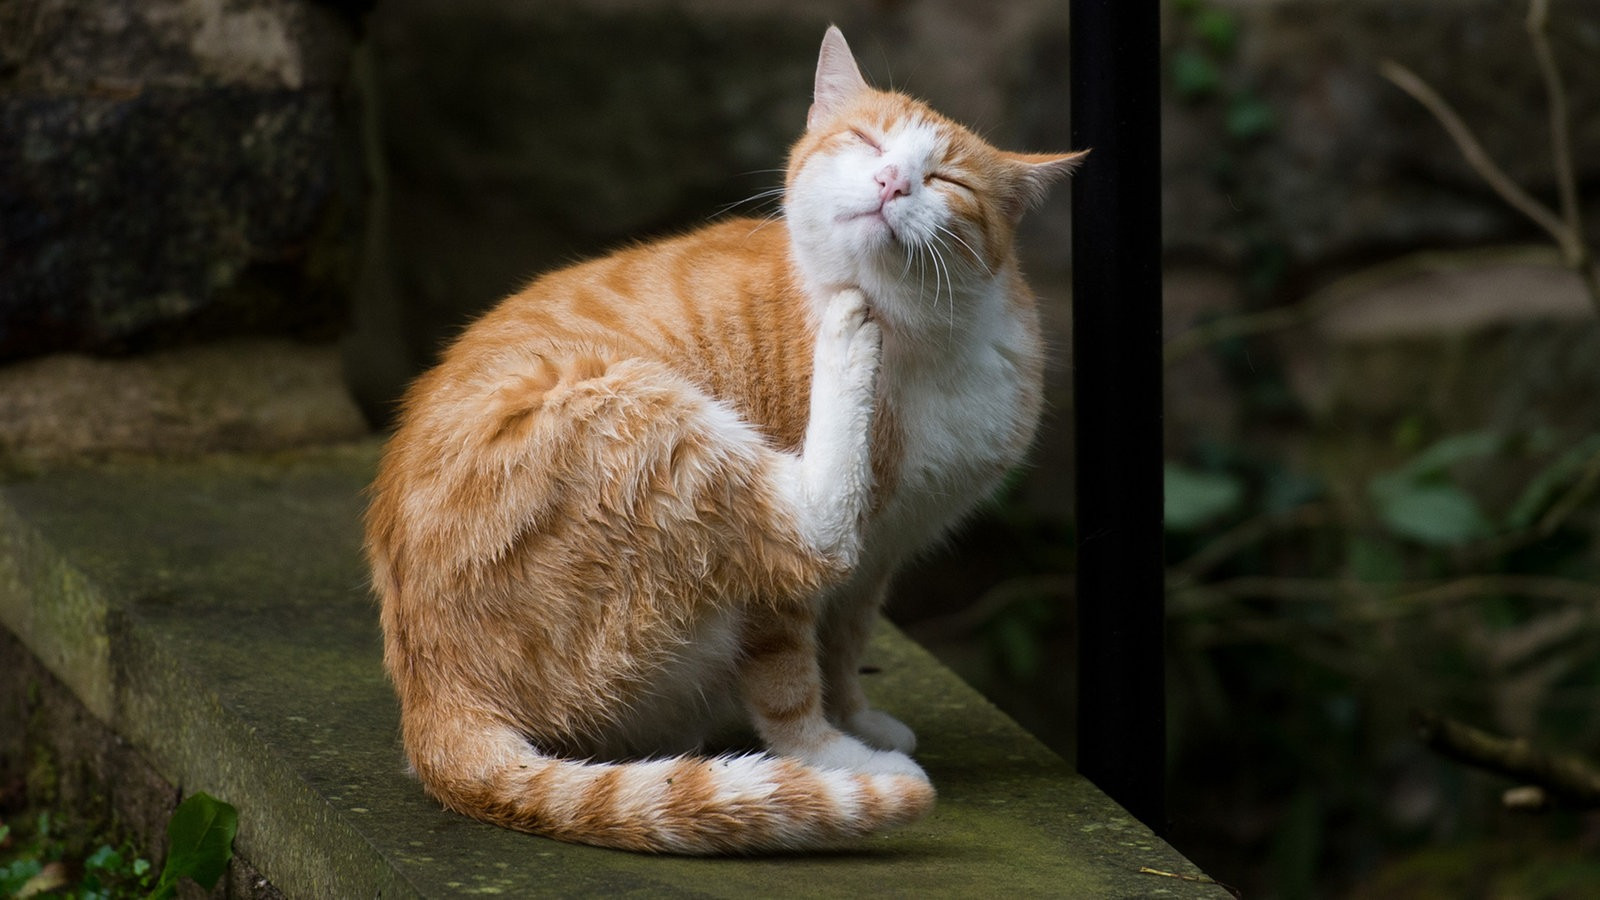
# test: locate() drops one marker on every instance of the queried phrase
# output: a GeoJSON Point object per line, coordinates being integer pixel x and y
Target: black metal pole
{"type": "Point", "coordinates": [1116, 303]}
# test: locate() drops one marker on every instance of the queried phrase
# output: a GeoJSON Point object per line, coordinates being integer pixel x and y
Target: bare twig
{"type": "Point", "coordinates": [1573, 498]}
{"type": "Point", "coordinates": [1580, 491]}
{"type": "Point", "coordinates": [1527, 798]}
{"type": "Point", "coordinates": [1404, 598]}
{"type": "Point", "coordinates": [994, 601]}
{"type": "Point", "coordinates": [1579, 257]}
{"type": "Point", "coordinates": [1567, 226]}
{"type": "Point", "coordinates": [1237, 538]}
{"type": "Point", "coordinates": [1197, 879]}
{"type": "Point", "coordinates": [1566, 779]}
{"type": "Point", "coordinates": [1477, 157]}
{"type": "Point", "coordinates": [1237, 326]}
{"type": "Point", "coordinates": [1561, 590]}
{"type": "Point", "coordinates": [1560, 122]}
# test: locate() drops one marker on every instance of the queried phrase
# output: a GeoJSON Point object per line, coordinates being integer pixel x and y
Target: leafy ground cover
{"type": "Point", "coordinates": [50, 855]}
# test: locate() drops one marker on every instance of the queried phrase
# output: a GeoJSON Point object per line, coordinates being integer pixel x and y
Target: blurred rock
{"type": "Point", "coordinates": [245, 394]}
{"type": "Point", "coordinates": [171, 170]}
{"type": "Point", "coordinates": [1460, 341]}
{"type": "Point", "coordinates": [517, 138]}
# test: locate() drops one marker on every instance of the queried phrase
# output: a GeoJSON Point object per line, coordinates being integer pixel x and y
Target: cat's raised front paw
{"type": "Point", "coordinates": [880, 730]}
{"type": "Point", "coordinates": [849, 332]}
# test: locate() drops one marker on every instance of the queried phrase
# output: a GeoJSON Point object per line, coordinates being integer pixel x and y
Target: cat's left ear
{"type": "Point", "coordinates": [838, 79]}
{"type": "Point", "coordinates": [1032, 174]}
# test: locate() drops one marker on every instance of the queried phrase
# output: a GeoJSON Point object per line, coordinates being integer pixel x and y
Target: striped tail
{"type": "Point", "coordinates": [685, 805]}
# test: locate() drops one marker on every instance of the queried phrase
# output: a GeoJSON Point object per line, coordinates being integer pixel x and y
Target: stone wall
{"type": "Point", "coordinates": [515, 137]}
{"type": "Point", "coordinates": [173, 169]}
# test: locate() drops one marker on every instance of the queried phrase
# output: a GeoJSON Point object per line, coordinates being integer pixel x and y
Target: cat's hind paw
{"type": "Point", "coordinates": [847, 754]}
{"type": "Point", "coordinates": [881, 731]}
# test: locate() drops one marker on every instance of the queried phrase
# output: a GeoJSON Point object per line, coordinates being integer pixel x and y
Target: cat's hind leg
{"type": "Point", "coordinates": [782, 684]}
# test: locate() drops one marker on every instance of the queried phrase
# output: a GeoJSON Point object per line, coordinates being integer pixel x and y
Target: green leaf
{"type": "Point", "coordinates": [1434, 514]}
{"type": "Point", "coordinates": [1417, 502]}
{"type": "Point", "coordinates": [1375, 561]}
{"type": "Point", "coordinates": [200, 843]}
{"type": "Point", "coordinates": [103, 858]}
{"type": "Point", "coordinates": [1250, 117]}
{"type": "Point", "coordinates": [1453, 449]}
{"type": "Point", "coordinates": [1218, 29]}
{"type": "Point", "coordinates": [1017, 645]}
{"type": "Point", "coordinates": [1541, 490]}
{"type": "Point", "coordinates": [1284, 490]}
{"type": "Point", "coordinates": [1194, 76]}
{"type": "Point", "coordinates": [17, 874]}
{"type": "Point", "coordinates": [1193, 498]}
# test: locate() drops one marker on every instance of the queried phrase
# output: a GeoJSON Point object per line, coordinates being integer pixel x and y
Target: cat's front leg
{"type": "Point", "coordinates": [829, 486]}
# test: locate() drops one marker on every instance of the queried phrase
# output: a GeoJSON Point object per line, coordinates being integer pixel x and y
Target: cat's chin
{"type": "Point", "coordinates": [874, 227]}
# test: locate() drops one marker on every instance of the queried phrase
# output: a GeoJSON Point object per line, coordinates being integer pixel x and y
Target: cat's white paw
{"type": "Point", "coordinates": [850, 337]}
{"type": "Point", "coordinates": [891, 762]}
{"type": "Point", "coordinates": [882, 731]}
{"type": "Point", "coordinates": [847, 312]}
{"type": "Point", "coordinates": [850, 755]}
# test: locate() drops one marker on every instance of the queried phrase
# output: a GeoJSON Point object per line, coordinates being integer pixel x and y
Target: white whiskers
{"type": "Point", "coordinates": [761, 198]}
{"type": "Point", "coordinates": [941, 254]}
{"type": "Point", "coordinates": [962, 241]}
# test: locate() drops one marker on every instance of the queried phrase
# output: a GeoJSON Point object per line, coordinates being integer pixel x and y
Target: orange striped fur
{"type": "Point", "coordinates": [655, 499]}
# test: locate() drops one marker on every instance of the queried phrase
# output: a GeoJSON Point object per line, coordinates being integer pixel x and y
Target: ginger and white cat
{"type": "Point", "coordinates": [660, 494]}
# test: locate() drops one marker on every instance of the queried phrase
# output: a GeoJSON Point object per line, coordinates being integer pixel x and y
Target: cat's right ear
{"type": "Point", "coordinates": [838, 79]}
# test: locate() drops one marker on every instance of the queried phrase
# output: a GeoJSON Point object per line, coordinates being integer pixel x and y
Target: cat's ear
{"type": "Point", "coordinates": [1032, 174]}
{"type": "Point", "coordinates": [838, 79]}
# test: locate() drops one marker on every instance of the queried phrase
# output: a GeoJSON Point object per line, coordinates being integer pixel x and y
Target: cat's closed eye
{"type": "Point", "coordinates": [863, 137]}
{"type": "Point", "coordinates": [948, 179]}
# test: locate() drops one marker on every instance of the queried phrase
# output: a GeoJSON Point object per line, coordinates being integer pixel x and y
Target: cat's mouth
{"type": "Point", "coordinates": [873, 215]}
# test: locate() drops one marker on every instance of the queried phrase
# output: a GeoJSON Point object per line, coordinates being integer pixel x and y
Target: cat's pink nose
{"type": "Point", "coordinates": [892, 184]}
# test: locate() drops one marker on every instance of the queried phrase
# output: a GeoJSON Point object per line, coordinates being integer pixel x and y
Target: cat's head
{"type": "Point", "coordinates": [884, 191]}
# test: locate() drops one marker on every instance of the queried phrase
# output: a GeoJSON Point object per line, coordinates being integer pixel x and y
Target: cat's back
{"type": "Point", "coordinates": [719, 306]}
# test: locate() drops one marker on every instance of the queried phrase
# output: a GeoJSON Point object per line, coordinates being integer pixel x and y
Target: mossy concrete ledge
{"type": "Point", "coordinates": [214, 613]}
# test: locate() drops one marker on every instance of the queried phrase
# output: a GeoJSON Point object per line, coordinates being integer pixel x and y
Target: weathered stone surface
{"type": "Point", "coordinates": [238, 651]}
{"type": "Point", "coordinates": [173, 169]}
{"type": "Point", "coordinates": [245, 394]}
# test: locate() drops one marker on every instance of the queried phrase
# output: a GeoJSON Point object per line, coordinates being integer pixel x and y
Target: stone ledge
{"type": "Point", "coordinates": [214, 614]}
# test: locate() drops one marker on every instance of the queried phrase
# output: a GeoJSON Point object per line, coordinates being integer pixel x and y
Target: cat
{"type": "Point", "coordinates": [659, 495]}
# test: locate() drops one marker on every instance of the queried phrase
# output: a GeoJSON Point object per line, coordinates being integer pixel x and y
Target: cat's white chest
{"type": "Point", "coordinates": [963, 421]}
